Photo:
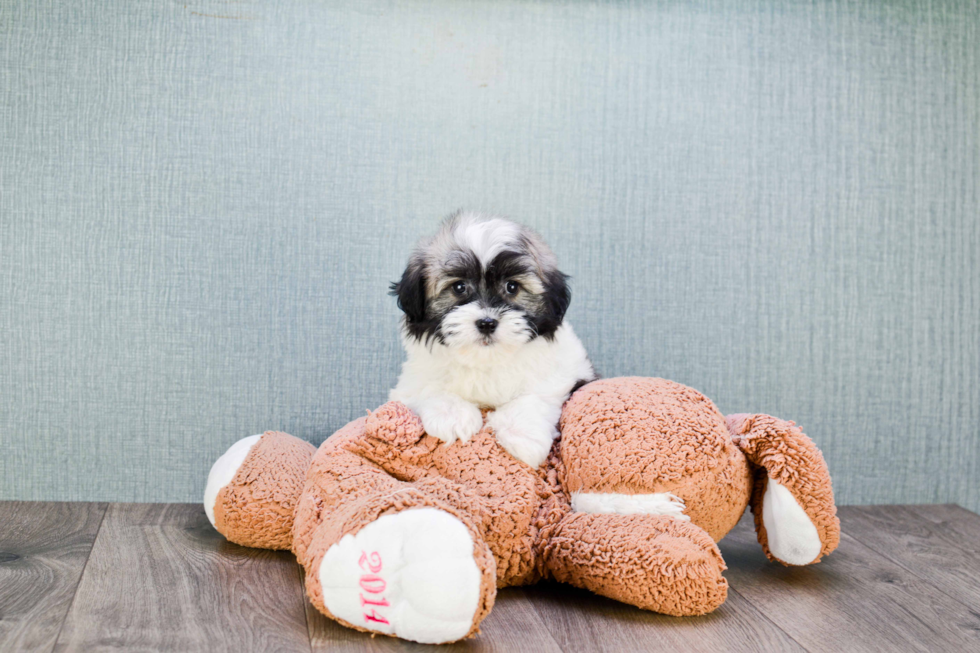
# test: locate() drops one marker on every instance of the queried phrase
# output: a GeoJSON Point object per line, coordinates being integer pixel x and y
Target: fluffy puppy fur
{"type": "Point", "coordinates": [484, 304]}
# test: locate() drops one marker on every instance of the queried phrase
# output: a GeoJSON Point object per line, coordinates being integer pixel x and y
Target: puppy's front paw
{"type": "Point", "coordinates": [450, 418]}
{"type": "Point", "coordinates": [525, 434]}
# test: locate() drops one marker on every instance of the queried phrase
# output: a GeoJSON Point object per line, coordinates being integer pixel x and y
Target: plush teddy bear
{"type": "Point", "coordinates": [404, 535]}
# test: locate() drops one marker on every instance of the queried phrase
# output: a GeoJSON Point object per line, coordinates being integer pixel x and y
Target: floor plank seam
{"type": "Point", "coordinates": [551, 635]}
{"type": "Point", "coordinates": [544, 623]}
{"type": "Point", "coordinates": [766, 617]}
{"type": "Point", "coordinates": [71, 604]}
{"type": "Point", "coordinates": [306, 613]}
{"type": "Point", "coordinates": [911, 571]}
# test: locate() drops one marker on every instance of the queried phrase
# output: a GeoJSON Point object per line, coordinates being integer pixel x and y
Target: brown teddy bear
{"type": "Point", "coordinates": [404, 535]}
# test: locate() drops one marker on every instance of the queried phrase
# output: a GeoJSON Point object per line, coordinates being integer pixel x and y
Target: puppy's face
{"type": "Point", "coordinates": [482, 283]}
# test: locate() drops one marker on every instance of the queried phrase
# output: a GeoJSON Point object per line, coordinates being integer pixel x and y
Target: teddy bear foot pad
{"type": "Point", "coordinates": [411, 574]}
{"type": "Point", "coordinates": [223, 471]}
{"type": "Point", "coordinates": [793, 538]}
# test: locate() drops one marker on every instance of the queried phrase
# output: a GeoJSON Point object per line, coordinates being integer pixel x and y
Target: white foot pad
{"type": "Point", "coordinates": [224, 469]}
{"type": "Point", "coordinates": [409, 574]}
{"type": "Point", "coordinates": [658, 503]}
{"type": "Point", "coordinates": [792, 536]}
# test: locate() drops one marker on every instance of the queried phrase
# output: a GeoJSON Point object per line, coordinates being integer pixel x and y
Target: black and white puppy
{"type": "Point", "coordinates": [484, 304]}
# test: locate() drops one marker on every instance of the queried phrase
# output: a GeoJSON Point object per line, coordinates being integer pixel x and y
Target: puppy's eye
{"type": "Point", "coordinates": [511, 287]}
{"type": "Point", "coordinates": [459, 287]}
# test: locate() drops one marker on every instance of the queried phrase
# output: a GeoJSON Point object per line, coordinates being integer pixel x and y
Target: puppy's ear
{"type": "Point", "coordinates": [557, 295]}
{"type": "Point", "coordinates": [410, 291]}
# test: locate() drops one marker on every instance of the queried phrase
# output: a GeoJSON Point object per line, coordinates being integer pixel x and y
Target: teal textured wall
{"type": "Point", "coordinates": [201, 205]}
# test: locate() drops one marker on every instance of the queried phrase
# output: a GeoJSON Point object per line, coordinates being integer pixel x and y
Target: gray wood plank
{"type": "Point", "coordinates": [582, 621]}
{"type": "Point", "coordinates": [547, 616]}
{"type": "Point", "coordinates": [160, 578]}
{"type": "Point", "coordinates": [938, 543]}
{"type": "Point", "coordinates": [855, 600]}
{"type": "Point", "coordinates": [43, 549]}
{"type": "Point", "coordinates": [513, 625]}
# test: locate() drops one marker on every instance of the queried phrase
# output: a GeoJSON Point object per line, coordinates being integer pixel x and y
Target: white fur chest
{"type": "Point", "coordinates": [489, 384]}
{"type": "Point", "coordinates": [494, 376]}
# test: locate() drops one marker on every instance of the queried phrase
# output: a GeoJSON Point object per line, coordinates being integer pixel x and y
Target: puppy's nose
{"type": "Point", "coordinates": [486, 325]}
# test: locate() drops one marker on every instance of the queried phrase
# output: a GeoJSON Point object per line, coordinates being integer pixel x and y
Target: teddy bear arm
{"type": "Point", "coordinates": [654, 562]}
{"type": "Point", "coordinates": [253, 489]}
{"type": "Point", "coordinates": [792, 497]}
{"type": "Point", "coordinates": [395, 423]}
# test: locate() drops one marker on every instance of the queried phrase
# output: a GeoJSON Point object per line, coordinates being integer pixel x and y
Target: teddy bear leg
{"type": "Point", "coordinates": [654, 562]}
{"type": "Point", "coordinates": [253, 488]}
{"type": "Point", "coordinates": [402, 565]}
{"type": "Point", "coordinates": [792, 498]}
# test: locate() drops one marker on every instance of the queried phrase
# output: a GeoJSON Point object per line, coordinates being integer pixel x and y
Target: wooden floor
{"type": "Point", "coordinates": [157, 577]}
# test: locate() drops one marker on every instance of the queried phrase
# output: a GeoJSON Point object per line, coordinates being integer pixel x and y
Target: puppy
{"type": "Point", "coordinates": [484, 304]}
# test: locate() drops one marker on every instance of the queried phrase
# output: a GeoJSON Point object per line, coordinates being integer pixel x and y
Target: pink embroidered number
{"type": "Point", "coordinates": [374, 584]}
{"type": "Point", "coordinates": [372, 563]}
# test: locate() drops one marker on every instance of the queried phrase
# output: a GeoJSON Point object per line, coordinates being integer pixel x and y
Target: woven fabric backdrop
{"type": "Point", "coordinates": [202, 204]}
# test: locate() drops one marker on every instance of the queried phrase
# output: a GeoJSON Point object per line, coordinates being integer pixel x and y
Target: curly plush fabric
{"type": "Point", "coordinates": [257, 508]}
{"type": "Point", "coordinates": [779, 450]}
{"type": "Point", "coordinates": [651, 561]}
{"type": "Point", "coordinates": [387, 453]}
{"type": "Point", "coordinates": [383, 463]}
{"type": "Point", "coordinates": [636, 435]}
{"type": "Point", "coordinates": [643, 441]}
